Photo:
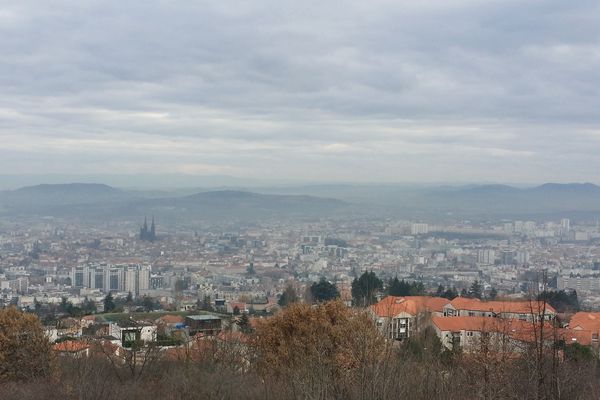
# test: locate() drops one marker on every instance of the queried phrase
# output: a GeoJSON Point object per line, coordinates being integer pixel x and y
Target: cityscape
{"type": "Point", "coordinates": [300, 200]}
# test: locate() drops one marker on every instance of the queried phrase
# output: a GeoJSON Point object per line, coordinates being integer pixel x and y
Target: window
{"type": "Point", "coordinates": [594, 337]}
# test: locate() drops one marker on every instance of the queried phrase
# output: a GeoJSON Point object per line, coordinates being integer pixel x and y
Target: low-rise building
{"type": "Point", "coordinates": [528, 310]}
{"type": "Point", "coordinates": [398, 317]}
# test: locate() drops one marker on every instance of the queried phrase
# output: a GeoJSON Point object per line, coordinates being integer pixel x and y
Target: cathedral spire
{"type": "Point", "coordinates": [152, 230]}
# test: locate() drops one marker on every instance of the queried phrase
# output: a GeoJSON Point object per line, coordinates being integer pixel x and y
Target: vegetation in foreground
{"type": "Point", "coordinates": [327, 351]}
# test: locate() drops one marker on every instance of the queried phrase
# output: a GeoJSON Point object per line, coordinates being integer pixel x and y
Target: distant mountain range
{"type": "Point", "coordinates": [102, 201]}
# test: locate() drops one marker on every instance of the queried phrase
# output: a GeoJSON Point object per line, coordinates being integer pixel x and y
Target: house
{"type": "Point", "coordinates": [128, 332]}
{"type": "Point", "coordinates": [73, 348]}
{"type": "Point", "coordinates": [68, 327]}
{"type": "Point", "coordinates": [266, 306]}
{"type": "Point", "coordinates": [87, 321]}
{"type": "Point", "coordinates": [398, 317]}
{"type": "Point", "coordinates": [205, 324]}
{"type": "Point", "coordinates": [240, 306]}
{"type": "Point", "coordinates": [584, 328]}
{"type": "Point", "coordinates": [528, 310]}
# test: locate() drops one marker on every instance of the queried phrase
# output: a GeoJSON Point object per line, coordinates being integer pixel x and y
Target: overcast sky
{"type": "Point", "coordinates": [378, 90]}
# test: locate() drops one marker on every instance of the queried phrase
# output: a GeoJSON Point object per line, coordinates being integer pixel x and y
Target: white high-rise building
{"type": "Point", "coordinates": [565, 224]}
{"type": "Point", "coordinates": [522, 257]}
{"type": "Point", "coordinates": [137, 278]}
{"type": "Point", "coordinates": [419, 229]}
{"type": "Point", "coordinates": [486, 256]}
{"type": "Point", "coordinates": [144, 278]}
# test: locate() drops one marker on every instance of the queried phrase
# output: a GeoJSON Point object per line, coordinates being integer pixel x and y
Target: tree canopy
{"type": "Point", "coordinates": [365, 288]}
{"type": "Point", "coordinates": [476, 290]}
{"type": "Point", "coordinates": [323, 291]}
{"type": "Point", "coordinates": [288, 296]}
{"type": "Point", "coordinates": [561, 300]}
{"type": "Point", "coordinates": [315, 347]}
{"type": "Point", "coordinates": [24, 348]}
{"type": "Point", "coordinates": [397, 287]}
{"type": "Point", "coordinates": [109, 303]}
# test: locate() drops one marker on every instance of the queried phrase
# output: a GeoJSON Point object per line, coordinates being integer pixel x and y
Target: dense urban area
{"type": "Point", "coordinates": [300, 308]}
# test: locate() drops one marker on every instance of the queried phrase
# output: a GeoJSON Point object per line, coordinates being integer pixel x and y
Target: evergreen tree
{"type": "Point", "coordinates": [476, 290]}
{"type": "Point", "coordinates": [403, 288]}
{"type": "Point", "coordinates": [323, 291]}
{"type": "Point", "coordinates": [493, 293]}
{"type": "Point", "coordinates": [398, 288]}
{"type": "Point", "coordinates": [417, 289]}
{"type": "Point", "coordinates": [244, 324]}
{"type": "Point", "coordinates": [250, 269]}
{"type": "Point", "coordinates": [37, 306]}
{"type": "Point", "coordinates": [288, 296]}
{"type": "Point", "coordinates": [109, 303]}
{"type": "Point", "coordinates": [365, 288]}
{"type": "Point", "coordinates": [440, 291]}
{"type": "Point", "coordinates": [129, 299]}
{"type": "Point", "coordinates": [88, 306]}
{"type": "Point", "coordinates": [450, 293]}
{"type": "Point", "coordinates": [148, 303]}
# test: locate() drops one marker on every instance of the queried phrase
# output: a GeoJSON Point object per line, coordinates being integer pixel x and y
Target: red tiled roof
{"type": "Point", "coordinates": [585, 320]}
{"type": "Point", "coordinates": [71, 346]}
{"type": "Point", "coordinates": [516, 307]}
{"type": "Point", "coordinates": [391, 306]}
{"type": "Point", "coordinates": [521, 330]}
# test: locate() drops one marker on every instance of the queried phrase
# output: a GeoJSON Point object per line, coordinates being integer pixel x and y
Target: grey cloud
{"type": "Point", "coordinates": [440, 90]}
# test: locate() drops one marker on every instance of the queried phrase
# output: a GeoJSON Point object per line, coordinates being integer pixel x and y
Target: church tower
{"type": "Point", "coordinates": [152, 230]}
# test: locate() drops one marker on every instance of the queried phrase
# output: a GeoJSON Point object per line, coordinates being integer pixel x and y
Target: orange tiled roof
{"type": "Point", "coordinates": [585, 320]}
{"type": "Point", "coordinates": [521, 330]}
{"type": "Point", "coordinates": [583, 337]}
{"type": "Point", "coordinates": [516, 307]}
{"type": "Point", "coordinates": [391, 306]}
{"type": "Point", "coordinates": [71, 346]}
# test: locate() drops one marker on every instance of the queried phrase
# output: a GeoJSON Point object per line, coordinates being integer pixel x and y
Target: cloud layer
{"type": "Point", "coordinates": [463, 90]}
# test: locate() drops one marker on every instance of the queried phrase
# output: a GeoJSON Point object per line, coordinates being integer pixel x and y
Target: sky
{"type": "Point", "coordinates": [352, 91]}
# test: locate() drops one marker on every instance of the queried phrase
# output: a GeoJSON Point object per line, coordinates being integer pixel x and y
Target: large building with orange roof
{"type": "Point", "coordinates": [523, 310]}
{"type": "Point", "coordinates": [398, 317]}
{"type": "Point", "coordinates": [498, 334]}
{"type": "Point", "coordinates": [585, 328]}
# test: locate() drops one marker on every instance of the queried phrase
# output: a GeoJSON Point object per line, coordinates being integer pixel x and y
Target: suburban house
{"type": "Point", "coordinates": [73, 348]}
{"type": "Point", "coordinates": [398, 317]}
{"type": "Point", "coordinates": [128, 332]}
{"type": "Point", "coordinates": [204, 324]}
{"type": "Point", "coordinates": [167, 324]}
{"type": "Point", "coordinates": [521, 310]}
{"type": "Point", "coordinates": [240, 306]}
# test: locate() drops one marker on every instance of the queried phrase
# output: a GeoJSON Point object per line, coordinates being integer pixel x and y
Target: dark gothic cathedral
{"type": "Point", "coordinates": [148, 234]}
